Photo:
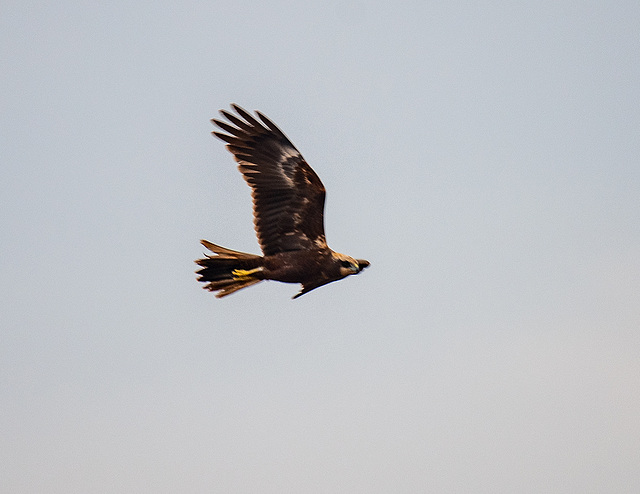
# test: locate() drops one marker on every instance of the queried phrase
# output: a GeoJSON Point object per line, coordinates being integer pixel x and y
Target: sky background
{"type": "Point", "coordinates": [484, 156]}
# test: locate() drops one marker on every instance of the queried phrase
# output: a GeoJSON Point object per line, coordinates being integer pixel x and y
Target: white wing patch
{"type": "Point", "coordinates": [287, 153]}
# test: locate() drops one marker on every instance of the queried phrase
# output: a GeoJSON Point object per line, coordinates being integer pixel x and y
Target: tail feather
{"type": "Point", "coordinates": [227, 271]}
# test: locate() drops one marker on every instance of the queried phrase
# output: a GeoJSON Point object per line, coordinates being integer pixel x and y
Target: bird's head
{"type": "Point", "coordinates": [349, 265]}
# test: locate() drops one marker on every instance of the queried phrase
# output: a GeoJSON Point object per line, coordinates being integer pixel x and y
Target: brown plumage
{"type": "Point", "coordinates": [288, 204]}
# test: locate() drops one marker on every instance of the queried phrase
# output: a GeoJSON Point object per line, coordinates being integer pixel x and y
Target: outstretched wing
{"type": "Point", "coordinates": [288, 196]}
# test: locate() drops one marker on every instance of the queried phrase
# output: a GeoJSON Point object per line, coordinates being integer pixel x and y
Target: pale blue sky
{"type": "Point", "coordinates": [484, 156]}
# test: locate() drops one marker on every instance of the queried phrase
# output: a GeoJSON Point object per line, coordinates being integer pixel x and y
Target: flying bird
{"type": "Point", "coordinates": [288, 203]}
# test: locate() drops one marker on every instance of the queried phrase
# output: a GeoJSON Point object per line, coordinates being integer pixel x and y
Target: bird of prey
{"type": "Point", "coordinates": [288, 203]}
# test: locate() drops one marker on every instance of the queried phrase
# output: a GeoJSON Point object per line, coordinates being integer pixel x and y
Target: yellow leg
{"type": "Point", "coordinates": [245, 274]}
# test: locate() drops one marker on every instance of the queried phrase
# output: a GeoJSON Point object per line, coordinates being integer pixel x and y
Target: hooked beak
{"type": "Point", "coordinates": [362, 263]}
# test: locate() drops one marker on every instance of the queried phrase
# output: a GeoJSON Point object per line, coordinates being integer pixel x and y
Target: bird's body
{"type": "Point", "coordinates": [288, 203]}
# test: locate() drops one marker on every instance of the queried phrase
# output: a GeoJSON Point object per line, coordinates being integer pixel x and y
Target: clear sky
{"type": "Point", "coordinates": [484, 156]}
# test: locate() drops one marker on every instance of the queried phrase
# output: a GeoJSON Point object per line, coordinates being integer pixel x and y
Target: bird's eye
{"type": "Point", "coordinates": [345, 264]}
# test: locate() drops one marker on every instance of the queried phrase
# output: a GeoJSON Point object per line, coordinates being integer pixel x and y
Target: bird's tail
{"type": "Point", "coordinates": [227, 271]}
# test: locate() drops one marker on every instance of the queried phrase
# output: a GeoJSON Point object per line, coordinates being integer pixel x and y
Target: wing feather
{"type": "Point", "coordinates": [288, 196]}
